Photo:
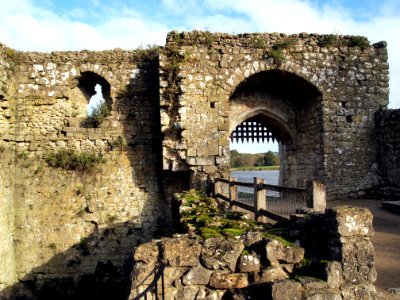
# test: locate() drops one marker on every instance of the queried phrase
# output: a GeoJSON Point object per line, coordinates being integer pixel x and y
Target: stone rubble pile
{"type": "Point", "coordinates": [335, 261]}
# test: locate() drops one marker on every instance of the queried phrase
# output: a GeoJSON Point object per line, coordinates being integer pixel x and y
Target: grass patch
{"type": "Point", "coordinates": [329, 40]}
{"type": "Point", "coordinates": [71, 160]}
{"type": "Point", "coordinates": [359, 41]}
{"type": "Point", "coordinates": [145, 54]}
{"type": "Point", "coordinates": [118, 143]}
{"type": "Point", "coordinates": [276, 51]}
{"type": "Point", "coordinates": [258, 42]}
{"type": "Point", "coordinates": [97, 116]}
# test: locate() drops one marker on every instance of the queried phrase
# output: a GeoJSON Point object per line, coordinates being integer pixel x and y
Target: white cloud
{"type": "Point", "coordinates": [26, 27]}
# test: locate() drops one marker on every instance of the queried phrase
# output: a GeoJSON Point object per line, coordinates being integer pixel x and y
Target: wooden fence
{"type": "Point", "coordinates": [270, 201]}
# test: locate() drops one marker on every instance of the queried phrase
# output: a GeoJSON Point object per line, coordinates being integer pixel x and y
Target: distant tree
{"type": "Point", "coordinates": [250, 160]}
{"type": "Point", "coordinates": [235, 155]}
{"type": "Point", "coordinates": [270, 159]}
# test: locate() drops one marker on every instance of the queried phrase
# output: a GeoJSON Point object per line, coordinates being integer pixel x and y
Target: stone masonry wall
{"type": "Point", "coordinates": [7, 262]}
{"type": "Point", "coordinates": [169, 127]}
{"type": "Point", "coordinates": [253, 266]}
{"type": "Point", "coordinates": [69, 222]}
{"type": "Point", "coordinates": [333, 85]}
{"type": "Point", "coordinates": [388, 138]}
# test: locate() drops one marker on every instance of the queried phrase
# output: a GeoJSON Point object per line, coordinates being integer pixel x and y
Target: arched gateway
{"type": "Point", "coordinates": [316, 96]}
{"type": "Point", "coordinates": [289, 109]}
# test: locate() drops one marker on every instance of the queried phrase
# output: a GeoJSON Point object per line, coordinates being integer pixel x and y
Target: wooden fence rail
{"type": "Point", "coordinates": [263, 206]}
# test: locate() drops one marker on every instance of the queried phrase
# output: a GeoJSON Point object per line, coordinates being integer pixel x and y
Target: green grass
{"type": "Point", "coordinates": [262, 168]}
{"type": "Point", "coordinates": [97, 116]}
{"type": "Point", "coordinates": [71, 160]}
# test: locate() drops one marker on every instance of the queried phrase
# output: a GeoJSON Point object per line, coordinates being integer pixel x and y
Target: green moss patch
{"type": "Point", "coordinates": [205, 216]}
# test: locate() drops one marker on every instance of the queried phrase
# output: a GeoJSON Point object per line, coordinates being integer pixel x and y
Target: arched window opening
{"type": "Point", "coordinates": [96, 90]}
{"type": "Point", "coordinates": [96, 100]}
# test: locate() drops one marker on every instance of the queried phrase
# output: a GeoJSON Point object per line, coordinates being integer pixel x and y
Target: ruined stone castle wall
{"type": "Point", "coordinates": [332, 85]}
{"type": "Point", "coordinates": [169, 127]}
{"type": "Point", "coordinates": [67, 221]}
{"type": "Point", "coordinates": [7, 262]}
{"type": "Point", "coordinates": [388, 138]}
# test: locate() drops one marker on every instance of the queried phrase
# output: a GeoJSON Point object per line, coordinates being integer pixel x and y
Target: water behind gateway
{"type": "Point", "coordinates": [270, 177]}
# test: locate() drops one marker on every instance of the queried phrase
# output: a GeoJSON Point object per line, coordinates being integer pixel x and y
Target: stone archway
{"type": "Point", "coordinates": [291, 108]}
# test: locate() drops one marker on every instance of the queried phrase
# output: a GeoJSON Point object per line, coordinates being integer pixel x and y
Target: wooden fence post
{"type": "Point", "coordinates": [316, 195]}
{"type": "Point", "coordinates": [259, 198]}
{"type": "Point", "coordinates": [261, 201]}
{"type": "Point", "coordinates": [232, 193]}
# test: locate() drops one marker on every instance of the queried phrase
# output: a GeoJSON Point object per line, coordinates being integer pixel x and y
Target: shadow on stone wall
{"type": "Point", "coordinates": [98, 267]}
{"type": "Point", "coordinates": [107, 281]}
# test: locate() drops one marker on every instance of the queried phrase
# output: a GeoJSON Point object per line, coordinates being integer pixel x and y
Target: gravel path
{"type": "Point", "coordinates": [386, 242]}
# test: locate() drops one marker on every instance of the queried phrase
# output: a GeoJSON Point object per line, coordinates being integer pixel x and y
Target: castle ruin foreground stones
{"type": "Point", "coordinates": [172, 111]}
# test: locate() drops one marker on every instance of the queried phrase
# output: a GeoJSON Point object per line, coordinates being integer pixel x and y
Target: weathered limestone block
{"type": "Point", "coordinates": [221, 254]}
{"type": "Point", "coordinates": [349, 222]}
{"type": "Point", "coordinates": [314, 288]}
{"type": "Point", "coordinates": [180, 252]}
{"type": "Point", "coordinates": [187, 293]}
{"type": "Point", "coordinates": [252, 238]}
{"type": "Point", "coordinates": [208, 294]}
{"type": "Point", "coordinates": [356, 292]}
{"type": "Point", "coordinates": [173, 275]}
{"type": "Point", "coordinates": [286, 289]}
{"type": "Point", "coordinates": [147, 253]}
{"type": "Point", "coordinates": [278, 252]}
{"type": "Point", "coordinates": [271, 274]}
{"type": "Point", "coordinates": [249, 263]}
{"type": "Point", "coordinates": [334, 276]}
{"type": "Point", "coordinates": [141, 273]}
{"type": "Point", "coordinates": [197, 275]}
{"type": "Point", "coordinates": [223, 280]}
{"type": "Point", "coordinates": [358, 261]}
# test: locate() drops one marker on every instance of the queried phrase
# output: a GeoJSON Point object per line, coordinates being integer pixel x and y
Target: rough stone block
{"type": "Point", "coordinates": [334, 276]}
{"type": "Point", "coordinates": [221, 254]}
{"type": "Point", "coordinates": [277, 252]}
{"type": "Point", "coordinates": [187, 293]}
{"type": "Point", "coordinates": [249, 263]}
{"type": "Point", "coordinates": [272, 274]}
{"type": "Point", "coordinates": [222, 280]}
{"type": "Point", "coordinates": [197, 275]}
{"type": "Point", "coordinates": [173, 275]}
{"type": "Point", "coordinates": [146, 252]}
{"type": "Point", "coordinates": [349, 221]}
{"type": "Point", "coordinates": [181, 252]}
{"type": "Point", "coordinates": [286, 289]}
{"type": "Point", "coordinates": [358, 261]}
{"type": "Point", "coordinates": [142, 273]}
{"type": "Point", "coordinates": [356, 292]}
{"type": "Point", "coordinates": [208, 294]}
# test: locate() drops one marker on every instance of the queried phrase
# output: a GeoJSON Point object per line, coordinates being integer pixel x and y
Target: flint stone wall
{"type": "Point", "coordinates": [388, 138]}
{"type": "Point", "coordinates": [264, 268]}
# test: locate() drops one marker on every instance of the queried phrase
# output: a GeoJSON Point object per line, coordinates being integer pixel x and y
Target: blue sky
{"type": "Point", "coordinates": [47, 25]}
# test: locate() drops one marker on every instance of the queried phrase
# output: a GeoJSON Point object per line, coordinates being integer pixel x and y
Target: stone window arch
{"type": "Point", "coordinates": [91, 84]}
